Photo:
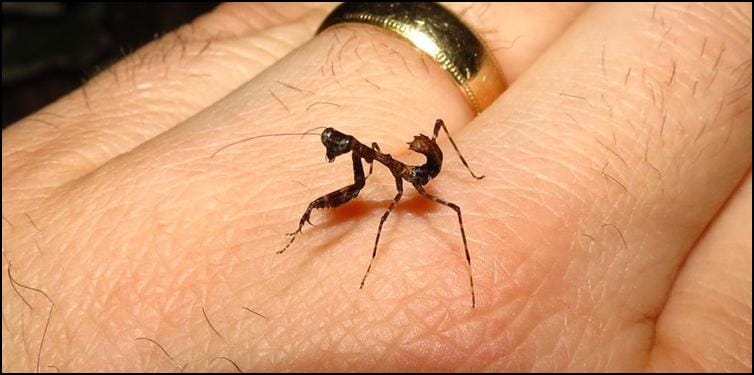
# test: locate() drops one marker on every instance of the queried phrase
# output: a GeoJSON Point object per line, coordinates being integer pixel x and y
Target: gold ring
{"type": "Point", "coordinates": [438, 33]}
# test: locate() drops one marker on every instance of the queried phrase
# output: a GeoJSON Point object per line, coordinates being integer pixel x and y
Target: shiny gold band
{"type": "Point", "coordinates": [441, 35]}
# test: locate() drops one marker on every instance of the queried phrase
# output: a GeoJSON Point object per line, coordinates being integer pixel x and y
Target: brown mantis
{"type": "Point", "coordinates": [337, 143]}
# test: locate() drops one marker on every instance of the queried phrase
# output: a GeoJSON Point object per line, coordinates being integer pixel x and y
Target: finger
{"type": "Point", "coordinates": [606, 160]}
{"type": "Point", "coordinates": [706, 323]}
{"type": "Point", "coordinates": [148, 92]}
{"type": "Point", "coordinates": [173, 78]}
{"type": "Point", "coordinates": [547, 22]}
{"type": "Point", "coordinates": [517, 33]}
{"type": "Point", "coordinates": [238, 20]}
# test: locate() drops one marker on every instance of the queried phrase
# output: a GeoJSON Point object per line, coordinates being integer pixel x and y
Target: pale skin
{"type": "Point", "coordinates": [612, 230]}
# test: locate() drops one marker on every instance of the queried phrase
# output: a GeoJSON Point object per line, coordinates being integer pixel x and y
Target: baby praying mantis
{"type": "Point", "coordinates": [338, 143]}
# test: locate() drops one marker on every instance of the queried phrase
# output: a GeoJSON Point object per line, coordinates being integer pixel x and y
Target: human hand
{"type": "Point", "coordinates": [612, 230]}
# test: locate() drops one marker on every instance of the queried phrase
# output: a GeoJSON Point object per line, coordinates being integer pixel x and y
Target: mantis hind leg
{"type": "Point", "coordinates": [441, 124]}
{"type": "Point", "coordinates": [457, 209]}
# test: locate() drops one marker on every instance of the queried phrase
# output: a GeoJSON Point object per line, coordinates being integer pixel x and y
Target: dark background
{"type": "Point", "coordinates": [49, 49]}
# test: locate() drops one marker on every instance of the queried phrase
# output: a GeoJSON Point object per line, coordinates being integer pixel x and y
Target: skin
{"type": "Point", "coordinates": [612, 230]}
